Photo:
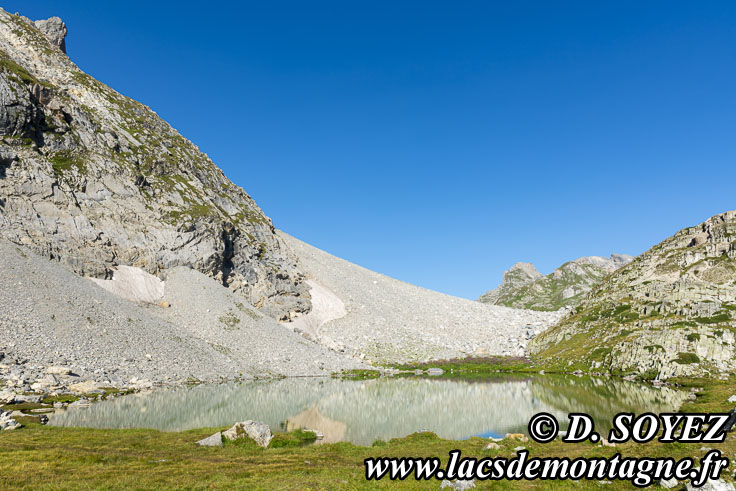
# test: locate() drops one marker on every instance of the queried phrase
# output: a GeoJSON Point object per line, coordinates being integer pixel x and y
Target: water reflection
{"type": "Point", "coordinates": [364, 411]}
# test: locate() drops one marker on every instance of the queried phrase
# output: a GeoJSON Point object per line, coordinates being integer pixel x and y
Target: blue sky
{"type": "Point", "coordinates": [440, 142]}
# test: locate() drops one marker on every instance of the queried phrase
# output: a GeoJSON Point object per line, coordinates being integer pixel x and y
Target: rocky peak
{"type": "Point", "coordinates": [525, 288]}
{"type": "Point", "coordinates": [521, 274]}
{"type": "Point", "coordinates": [55, 31]}
{"type": "Point", "coordinates": [517, 276]}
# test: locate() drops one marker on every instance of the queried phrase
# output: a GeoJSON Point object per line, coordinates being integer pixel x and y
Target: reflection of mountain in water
{"type": "Point", "coordinates": [604, 398]}
{"type": "Point", "coordinates": [333, 431]}
{"type": "Point", "coordinates": [363, 411]}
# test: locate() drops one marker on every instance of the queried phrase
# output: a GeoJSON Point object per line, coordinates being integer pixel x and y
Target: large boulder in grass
{"type": "Point", "coordinates": [211, 441]}
{"type": "Point", "coordinates": [255, 430]}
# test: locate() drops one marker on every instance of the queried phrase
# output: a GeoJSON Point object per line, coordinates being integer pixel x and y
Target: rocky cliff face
{"type": "Point", "coordinates": [94, 179]}
{"type": "Point", "coordinates": [524, 287]}
{"type": "Point", "coordinates": [670, 312]}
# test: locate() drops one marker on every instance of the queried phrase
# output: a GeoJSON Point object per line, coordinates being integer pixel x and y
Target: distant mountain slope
{"type": "Point", "coordinates": [669, 312]}
{"type": "Point", "coordinates": [386, 320]}
{"type": "Point", "coordinates": [524, 287]}
{"type": "Point", "coordinates": [93, 179]}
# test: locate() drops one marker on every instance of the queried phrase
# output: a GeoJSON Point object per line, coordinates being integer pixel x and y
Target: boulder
{"type": "Point", "coordinates": [492, 446]}
{"type": "Point", "coordinates": [28, 398]}
{"type": "Point", "coordinates": [7, 396]}
{"type": "Point", "coordinates": [54, 370]}
{"type": "Point", "coordinates": [7, 422]}
{"type": "Point", "coordinates": [49, 381]}
{"type": "Point", "coordinates": [84, 387]}
{"type": "Point", "coordinates": [255, 430]}
{"type": "Point", "coordinates": [212, 441]}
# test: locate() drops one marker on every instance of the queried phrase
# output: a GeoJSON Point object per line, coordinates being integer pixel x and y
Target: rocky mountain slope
{"type": "Point", "coordinates": [381, 319]}
{"type": "Point", "coordinates": [523, 287]}
{"type": "Point", "coordinates": [93, 179]}
{"type": "Point", "coordinates": [51, 317]}
{"type": "Point", "coordinates": [670, 312]}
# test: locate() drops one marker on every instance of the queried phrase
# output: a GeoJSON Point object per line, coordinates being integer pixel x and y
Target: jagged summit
{"type": "Point", "coordinates": [93, 179]}
{"type": "Point", "coordinates": [669, 312]}
{"type": "Point", "coordinates": [526, 288]}
{"type": "Point", "coordinates": [55, 31]}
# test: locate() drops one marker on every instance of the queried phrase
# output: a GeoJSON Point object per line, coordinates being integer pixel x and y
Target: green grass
{"type": "Point", "coordinates": [359, 374]}
{"type": "Point", "coordinates": [716, 319]}
{"type": "Point", "coordinates": [64, 161]}
{"type": "Point", "coordinates": [296, 438]}
{"type": "Point", "coordinates": [17, 71]}
{"type": "Point", "coordinates": [687, 358]}
{"type": "Point", "coordinates": [486, 364]}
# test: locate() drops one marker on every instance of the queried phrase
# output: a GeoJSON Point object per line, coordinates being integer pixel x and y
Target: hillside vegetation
{"type": "Point", "coordinates": [668, 313]}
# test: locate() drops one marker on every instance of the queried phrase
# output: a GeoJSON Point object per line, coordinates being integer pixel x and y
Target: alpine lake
{"type": "Point", "coordinates": [367, 410]}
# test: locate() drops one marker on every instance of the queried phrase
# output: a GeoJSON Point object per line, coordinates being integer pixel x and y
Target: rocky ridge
{"type": "Point", "coordinates": [670, 312]}
{"type": "Point", "coordinates": [93, 179]}
{"type": "Point", "coordinates": [523, 287]}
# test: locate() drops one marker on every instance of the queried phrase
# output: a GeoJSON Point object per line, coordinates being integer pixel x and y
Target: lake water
{"type": "Point", "coordinates": [362, 411]}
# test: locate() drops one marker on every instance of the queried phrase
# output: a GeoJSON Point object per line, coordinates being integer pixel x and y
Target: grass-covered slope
{"type": "Point", "coordinates": [669, 312]}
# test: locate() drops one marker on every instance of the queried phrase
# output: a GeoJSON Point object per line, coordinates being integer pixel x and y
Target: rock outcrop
{"type": "Point", "coordinates": [55, 31]}
{"type": "Point", "coordinates": [524, 287]}
{"type": "Point", "coordinates": [94, 180]}
{"type": "Point", "coordinates": [668, 313]}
